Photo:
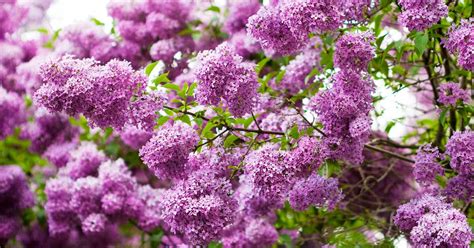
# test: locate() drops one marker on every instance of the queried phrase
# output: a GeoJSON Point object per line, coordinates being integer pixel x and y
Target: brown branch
{"type": "Point", "coordinates": [392, 154]}
{"type": "Point", "coordinates": [231, 128]}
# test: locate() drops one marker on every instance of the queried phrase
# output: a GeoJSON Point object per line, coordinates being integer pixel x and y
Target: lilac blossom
{"type": "Point", "coordinates": [239, 13]}
{"type": "Point", "coordinates": [426, 165]}
{"type": "Point", "coordinates": [273, 34]}
{"type": "Point", "coordinates": [315, 191]}
{"type": "Point", "coordinates": [460, 41]}
{"type": "Point", "coordinates": [199, 207]}
{"type": "Point", "coordinates": [460, 148]}
{"type": "Point", "coordinates": [12, 112]}
{"type": "Point", "coordinates": [451, 93]}
{"type": "Point", "coordinates": [221, 74]}
{"type": "Point", "coordinates": [101, 92]}
{"type": "Point", "coordinates": [15, 196]}
{"type": "Point", "coordinates": [420, 15]}
{"type": "Point", "coordinates": [297, 70]}
{"type": "Point", "coordinates": [354, 52]}
{"type": "Point", "coordinates": [167, 152]}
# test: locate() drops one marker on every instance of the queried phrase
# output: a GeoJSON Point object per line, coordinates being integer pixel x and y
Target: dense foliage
{"type": "Point", "coordinates": [239, 124]}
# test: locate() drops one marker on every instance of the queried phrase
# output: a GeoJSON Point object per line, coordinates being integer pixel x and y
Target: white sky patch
{"type": "Point", "coordinates": [63, 13]}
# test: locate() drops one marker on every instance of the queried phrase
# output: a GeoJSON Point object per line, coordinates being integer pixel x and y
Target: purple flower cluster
{"type": "Point", "coordinates": [426, 165]}
{"type": "Point", "coordinates": [101, 93]}
{"type": "Point", "coordinates": [357, 10]}
{"type": "Point", "coordinates": [273, 34]}
{"type": "Point", "coordinates": [83, 161]}
{"type": "Point", "coordinates": [451, 93]}
{"type": "Point", "coordinates": [244, 45]}
{"type": "Point", "coordinates": [419, 15]}
{"type": "Point", "coordinates": [460, 41]}
{"type": "Point", "coordinates": [251, 233]}
{"type": "Point", "coordinates": [269, 175]}
{"type": "Point", "coordinates": [239, 13]}
{"type": "Point", "coordinates": [311, 16]}
{"type": "Point", "coordinates": [12, 112]}
{"type": "Point", "coordinates": [199, 208]}
{"type": "Point", "coordinates": [344, 110]}
{"type": "Point", "coordinates": [460, 187]}
{"type": "Point", "coordinates": [221, 74]}
{"type": "Point", "coordinates": [433, 223]}
{"type": "Point", "coordinates": [297, 70]}
{"type": "Point", "coordinates": [165, 50]}
{"type": "Point", "coordinates": [354, 52]}
{"type": "Point", "coordinates": [260, 233]}
{"type": "Point", "coordinates": [134, 137]}
{"type": "Point", "coordinates": [93, 193]}
{"type": "Point", "coordinates": [408, 214]}
{"type": "Point", "coordinates": [86, 40]}
{"type": "Point", "coordinates": [315, 191]}
{"type": "Point", "coordinates": [306, 157]}
{"type": "Point", "coordinates": [284, 28]}
{"type": "Point", "coordinates": [49, 129]}
{"type": "Point", "coordinates": [142, 23]}
{"type": "Point", "coordinates": [144, 110]}
{"type": "Point", "coordinates": [216, 158]}
{"type": "Point", "coordinates": [15, 53]}
{"type": "Point", "coordinates": [15, 196]}
{"type": "Point", "coordinates": [460, 148]}
{"type": "Point", "coordinates": [12, 16]}
{"type": "Point", "coordinates": [167, 152]}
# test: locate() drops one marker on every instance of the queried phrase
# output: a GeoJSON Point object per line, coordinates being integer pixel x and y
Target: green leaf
{"type": "Point", "coordinates": [214, 244]}
{"type": "Point", "coordinates": [162, 120]}
{"type": "Point", "coordinates": [326, 59]}
{"type": "Point", "coordinates": [311, 75]}
{"type": "Point", "coordinates": [97, 22]}
{"type": "Point", "coordinates": [214, 8]}
{"type": "Point", "coordinates": [389, 126]}
{"type": "Point", "coordinates": [285, 240]}
{"type": "Point", "coordinates": [163, 78]}
{"type": "Point", "coordinates": [442, 116]}
{"type": "Point", "coordinates": [43, 30]}
{"type": "Point", "coordinates": [421, 42]}
{"type": "Point", "coordinates": [229, 141]}
{"type": "Point", "coordinates": [280, 76]}
{"type": "Point", "coordinates": [171, 86]}
{"type": "Point", "coordinates": [191, 89]}
{"type": "Point", "coordinates": [149, 68]}
{"type": "Point", "coordinates": [185, 119]}
{"type": "Point", "coordinates": [261, 64]}
{"type": "Point", "coordinates": [207, 128]}
{"type": "Point", "coordinates": [294, 132]}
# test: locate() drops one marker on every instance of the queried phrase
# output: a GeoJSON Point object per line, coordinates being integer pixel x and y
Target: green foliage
{"type": "Point", "coordinates": [15, 151]}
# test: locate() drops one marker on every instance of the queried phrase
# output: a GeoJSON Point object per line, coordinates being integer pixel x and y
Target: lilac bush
{"type": "Point", "coordinates": [281, 123]}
